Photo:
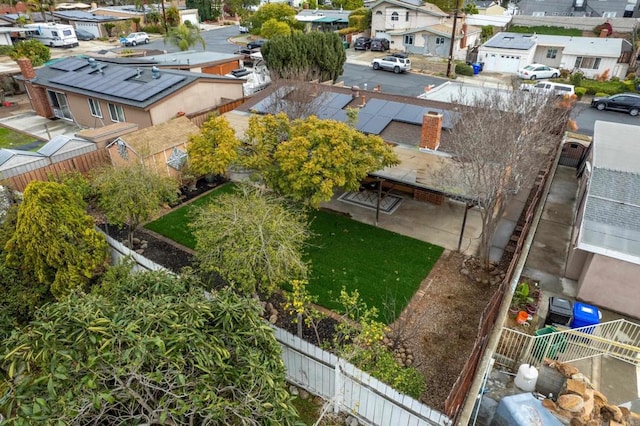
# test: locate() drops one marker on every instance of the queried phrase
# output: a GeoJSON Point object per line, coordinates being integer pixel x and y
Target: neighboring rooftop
{"type": "Point", "coordinates": [611, 222]}
{"type": "Point", "coordinates": [118, 83]}
{"type": "Point", "coordinates": [514, 41]}
{"type": "Point", "coordinates": [323, 15]}
{"type": "Point", "coordinates": [589, 46]}
{"type": "Point", "coordinates": [80, 15]}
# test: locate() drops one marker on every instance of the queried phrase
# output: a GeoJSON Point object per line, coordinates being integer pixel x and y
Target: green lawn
{"type": "Point", "coordinates": [174, 225]}
{"type": "Point", "coordinates": [12, 139]}
{"type": "Point", "coordinates": [547, 30]}
{"type": "Point", "coordinates": [386, 268]}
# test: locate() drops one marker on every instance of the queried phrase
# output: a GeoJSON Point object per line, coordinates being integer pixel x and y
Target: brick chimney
{"type": "Point", "coordinates": [431, 130]}
{"type": "Point", "coordinates": [37, 94]}
{"type": "Point", "coordinates": [463, 40]}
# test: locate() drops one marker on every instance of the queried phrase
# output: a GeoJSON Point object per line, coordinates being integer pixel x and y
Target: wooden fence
{"type": "Point", "coordinates": [82, 163]}
{"type": "Point", "coordinates": [322, 373]}
{"type": "Point", "coordinates": [463, 384]}
{"type": "Point", "coordinates": [200, 117]}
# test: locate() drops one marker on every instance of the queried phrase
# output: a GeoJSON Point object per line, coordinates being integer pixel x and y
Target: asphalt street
{"type": "Point", "coordinates": [586, 117]}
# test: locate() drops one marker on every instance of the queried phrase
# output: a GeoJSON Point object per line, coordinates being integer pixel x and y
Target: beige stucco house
{"type": "Point", "coordinates": [604, 255]}
{"type": "Point", "coordinates": [95, 94]}
{"type": "Point", "coordinates": [420, 28]}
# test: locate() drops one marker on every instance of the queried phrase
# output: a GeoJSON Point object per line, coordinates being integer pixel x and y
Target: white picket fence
{"type": "Point", "coordinates": [322, 373]}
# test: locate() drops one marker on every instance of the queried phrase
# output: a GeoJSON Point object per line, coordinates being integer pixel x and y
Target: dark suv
{"type": "Point", "coordinates": [379, 44]}
{"type": "Point", "coordinates": [256, 44]}
{"type": "Point", "coordinates": [626, 102]}
{"type": "Point", "coordinates": [362, 43]}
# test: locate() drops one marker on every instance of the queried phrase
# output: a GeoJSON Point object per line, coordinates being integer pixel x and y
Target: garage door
{"type": "Point", "coordinates": [507, 63]}
{"type": "Point", "coordinates": [92, 28]}
{"type": "Point", "coordinates": [191, 17]}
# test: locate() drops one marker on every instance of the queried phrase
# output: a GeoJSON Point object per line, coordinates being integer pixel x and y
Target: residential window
{"type": "Point", "coordinates": [379, 12]}
{"type": "Point", "coordinates": [537, 14]}
{"type": "Point", "coordinates": [439, 41]}
{"type": "Point", "coordinates": [408, 39]}
{"type": "Point", "coordinates": [395, 16]}
{"type": "Point", "coordinates": [587, 63]}
{"type": "Point", "coordinates": [406, 17]}
{"type": "Point", "coordinates": [94, 107]}
{"type": "Point", "coordinates": [116, 112]}
{"type": "Point", "coordinates": [608, 14]}
{"type": "Point", "coordinates": [552, 53]}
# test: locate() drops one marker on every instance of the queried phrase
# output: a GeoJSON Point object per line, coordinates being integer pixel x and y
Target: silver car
{"type": "Point", "coordinates": [392, 63]}
{"type": "Point", "coordinates": [135, 39]}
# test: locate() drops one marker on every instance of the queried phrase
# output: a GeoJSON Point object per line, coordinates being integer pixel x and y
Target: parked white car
{"type": "Point", "coordinates": [392, 63]}
{"type": "Point", "coordinates": [135, 39]}
{"type": "Point", "coordinates": [536, 71]}
{"type": "Point", "coordinates": [558, 89]}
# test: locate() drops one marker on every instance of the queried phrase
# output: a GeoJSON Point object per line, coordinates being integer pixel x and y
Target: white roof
{"type": "Point", "coordinates": [611, 218]}
{"type": "Point", "coordinates": [584, 46]}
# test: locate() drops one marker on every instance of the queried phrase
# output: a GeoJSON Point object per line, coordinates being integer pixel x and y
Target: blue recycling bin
{"type": "Point", "coordinates": [476, 68]}
{"type": "Point", "coordinates": [584, 316]}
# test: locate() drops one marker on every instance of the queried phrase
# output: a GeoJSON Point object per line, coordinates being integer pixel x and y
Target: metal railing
{"type": "Point", "coordinates": [619, 339]}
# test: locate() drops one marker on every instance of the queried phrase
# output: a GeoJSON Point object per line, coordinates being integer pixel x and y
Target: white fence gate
{"type": "Point", "coordinates": [619, 339]}
{"type": "Point", "coordinates": [322, 373]}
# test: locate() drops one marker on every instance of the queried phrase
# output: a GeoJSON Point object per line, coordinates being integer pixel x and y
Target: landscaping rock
{"type": "Point", "coordinates": [273, 319]}
{"type": "Point", "coordinates": [351, 421]}
{"type": "Point", "coordinates": [576, 387]}
{"type": "Point", "coordinates": [303, 394]}
{"type": "Point", "coordinates": [293, 390]}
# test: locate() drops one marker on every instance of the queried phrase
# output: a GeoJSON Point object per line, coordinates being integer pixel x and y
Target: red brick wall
{"type": "Point", "coordinates": [431, 130]}
{"type": "Point", "coordinates": [428, 196]}
{"type": "Point", "coordinates": [38, 95]}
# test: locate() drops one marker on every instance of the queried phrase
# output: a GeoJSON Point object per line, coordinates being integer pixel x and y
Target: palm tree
{"type": "Point", "coordinates": [184, 37]}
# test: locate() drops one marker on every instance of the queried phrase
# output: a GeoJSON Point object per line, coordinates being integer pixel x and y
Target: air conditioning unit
{"type": "Point", "coordinates": [58, 113]}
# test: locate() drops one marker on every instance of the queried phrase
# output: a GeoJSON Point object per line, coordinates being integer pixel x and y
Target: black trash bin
{"type": "Point", "coordinates": [560, 312]}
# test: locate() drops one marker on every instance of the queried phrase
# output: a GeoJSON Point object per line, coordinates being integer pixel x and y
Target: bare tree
{"type": "Point", "coordinates": [500, 143]}
{"type": "Point", "coordinates": [296, 97]}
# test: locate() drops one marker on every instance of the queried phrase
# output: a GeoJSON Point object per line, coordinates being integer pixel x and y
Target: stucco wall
{"type": "Point", "coordinates": [540, 56]}
{"type": "Point", "coordinates": [575, 263]}
{"type": "Point", "coordinates": [382, 21]}
{"type": "Point", "coordinates": [79, 106]}
{"type": "Point", "coordinates": [611, 284]}
{"type": "Point", "coordinates": [195, 98]}
{"type": "Point", "coordinates": [615, 69]}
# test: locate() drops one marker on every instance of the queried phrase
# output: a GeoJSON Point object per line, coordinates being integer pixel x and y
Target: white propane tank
{"type": "Point", "coordinates": [527, 378]}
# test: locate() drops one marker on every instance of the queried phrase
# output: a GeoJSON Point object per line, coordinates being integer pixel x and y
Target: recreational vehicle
{"type": "Point", "coordinates": [52, 35]}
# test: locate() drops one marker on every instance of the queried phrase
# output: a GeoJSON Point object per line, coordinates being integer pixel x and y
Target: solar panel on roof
{"type": "Point", "coordinates": [72, 64]}
{"type": "Point", "coordinates": [374, 105]}
{"type": "Point", "coordinates": [326, 112]}
{"type": "Point", "coordinates": [390, 109]}
{"type": "Point", "coordinates": [376, 125]}
{"type": "Point", "coordinates": [410, 114]}
{"type": "Point", "coordinates": [339, 101]}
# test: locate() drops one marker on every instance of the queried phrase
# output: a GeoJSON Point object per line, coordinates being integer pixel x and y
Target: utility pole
{"type": "Point", "coordinates": [164, 18]}
{"type": "Point", "coordinates": [453, 36]}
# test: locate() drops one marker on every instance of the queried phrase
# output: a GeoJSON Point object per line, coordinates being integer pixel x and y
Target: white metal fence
{"type": "Point", "coordinates": [324, 374]}
{"type": "Point", "coordinates": [619, 339]}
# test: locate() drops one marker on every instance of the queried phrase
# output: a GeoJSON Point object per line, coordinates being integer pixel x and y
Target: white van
{"type": "Point", "coordinates": [558, 89]}
{"type": "Point", "coordinates": [52, 35]}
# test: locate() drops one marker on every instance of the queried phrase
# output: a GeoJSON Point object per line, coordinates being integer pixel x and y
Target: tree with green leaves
{"type": "Point", "coordinates": [273, 28]}
{"type": "Point", "coordinates": [184, 37]}
{"type": "Point", "coordinates": [360, 19]}
{"type": "Point", "coordinates": [253, 239]}
{"type": "Point", "coordinates": [307, 159]}
{"type": "Point", "coordinates": [146, 348]}
{"type": "Point", "coordinates": [281, 12]}
{"type": "Point", "coordinates": [306, 57]}
{"type": "Point", "coordinates": [131, 195]}
{"type": "Point", "coordinates": [347, 4]}
{"type": "Point", "coordinates": [31, 49]}
{"type": "Point", "coordinates": [56, 238]}
{"type": "Point", "coordinates": [214, 149]}
{"type": "Point", "coordinates": [207, 9]}
{"type": "Point", "coordinates": [241, 8]}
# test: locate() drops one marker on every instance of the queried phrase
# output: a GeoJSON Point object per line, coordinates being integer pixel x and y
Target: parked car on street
{"type": "Point", "coordinates": [392, 63]}
{"type": "Point", "coordinates": [362, 43]}
{"type": "Point", "coordinates": [135, 39]}
{"type": "Point", "coordinates": [379, 44]}
{"type": "Point", "coordinates": [84, 35]}
{"type": "Point", "coordinates": [557, 89]}
{"type": "Point", "coordinates": [243, 29]}
{"type": "Point", "coordinates": [625, 102]}
{"type": "Point", "coordinates": [256, 44]}
{"type": "Point", "coordinates": [535, 71]}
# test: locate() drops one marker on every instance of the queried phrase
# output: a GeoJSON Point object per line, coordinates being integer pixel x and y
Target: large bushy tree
{"type": "Point", "coordinates": [146, 348]}
{"type": "Point", "coordinates": [307, 159]}
{"type": "Point", "coordinates": [281, 12]}
{"type": "Point", "coordinates": [32, 49]}
{"type": "Point", "coordinates": [214, 149]}
{"type": "Point", "coordinates": [131, 195]}
{"type": "Point", "coordinates": [306, 57]}
{"type": "Point", "coordinates": [253, 239]}
{"type": "Point", "coordinates": [56, 238]}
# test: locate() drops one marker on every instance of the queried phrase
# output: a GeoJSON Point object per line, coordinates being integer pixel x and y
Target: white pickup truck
{"type": "Point", "coordinates": [392, 63]}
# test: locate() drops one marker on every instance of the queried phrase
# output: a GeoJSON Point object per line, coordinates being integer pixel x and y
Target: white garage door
{"type": "Point", "coordinates": [507, 63]}
{"type": "Point", "coordinates": [92, 28]}
{"type": "Point", "coordinates": [191, 17]}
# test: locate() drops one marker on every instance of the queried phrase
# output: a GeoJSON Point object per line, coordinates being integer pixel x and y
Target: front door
{"type": "Point", "coordinates": [60, 105]}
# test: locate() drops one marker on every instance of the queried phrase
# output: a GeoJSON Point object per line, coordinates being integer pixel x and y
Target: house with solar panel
{"type": "Point", "coordinates": [604, 251]}
{"type": "Point", "coordinates": [414, 26]}
{"type": "Point", "coordinates": [508, 52]}
{"type": "Point", "coordinates": [323, 19]}
{"type": "Point", "coordinates": [95, 94]}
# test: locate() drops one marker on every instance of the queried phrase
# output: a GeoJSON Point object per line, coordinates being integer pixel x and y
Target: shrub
{"type": "Point", "coordinates": [601, 95]}
{"type": "Point", "coordinates": [463, 69]}
{"type": "Point", "coordinates": [37, 52]}
{"type": "Point", "coordinates": [576, 78]}
{"type": "Point", "coordinates": [564, 73]}
{"type": "Point", "coordinates": [615, 78]}
{"type": "Point", "coordinates": [591, 91]}
{"type": "Point", "coordinates": [631, 76]}
{"type": "Point", "coordinates": [6, 50]}
{"type": "Point", "coordinates": [580, 91]}
{"type": "Point", "coordinates": [153, 29]}
{"type": "Point", "coordinates": [629, 86]}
